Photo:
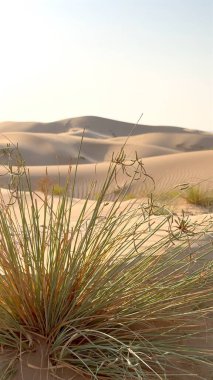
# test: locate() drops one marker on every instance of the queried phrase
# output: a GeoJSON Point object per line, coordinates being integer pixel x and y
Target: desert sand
{"type": "Point", "coordinates": [171, 156]}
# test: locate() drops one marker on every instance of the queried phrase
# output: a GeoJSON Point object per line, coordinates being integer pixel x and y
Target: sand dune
{"type": "Point", "coordinates": [191, 167]}
{"type": "Point", "coordinates": [167, 171]}
{"type": "Point", "coordinates": [98, 125]}
{"type": "Point", "coordinates": [171, 155]}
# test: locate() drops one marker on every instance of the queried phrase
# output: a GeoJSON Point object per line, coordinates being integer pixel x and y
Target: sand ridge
{"type": "Point", "coordinates": [171, 155]}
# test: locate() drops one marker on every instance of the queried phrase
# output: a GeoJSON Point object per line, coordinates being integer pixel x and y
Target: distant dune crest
{"type": "Point", "coordinates": [91, 123]}
{"type": "Point", "coordinates": [171, 154]}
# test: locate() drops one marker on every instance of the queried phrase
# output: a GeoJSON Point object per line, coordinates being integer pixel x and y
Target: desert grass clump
{"type": "Point", "coordinates": [57, 189]}
{"type": "Point", "coordinates": [197, 196]}
{"type": "Point", "coordinates": [108, 301]}
{"type": "Point", "coordinates": [47, 186]}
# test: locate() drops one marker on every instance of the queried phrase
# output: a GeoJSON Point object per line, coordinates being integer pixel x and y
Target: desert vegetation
{"type": "Point", "coordinates": [198, 196]}
{"type": "Point", "coordinates": [192, 195]}
{"type": "Point", "coordinates": [105, 298]}
{"type": "Point", "coordinates": [47, 186]}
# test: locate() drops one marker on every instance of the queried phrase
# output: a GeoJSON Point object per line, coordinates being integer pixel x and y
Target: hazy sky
{"type": "Point", "coordinates": [110, 58]}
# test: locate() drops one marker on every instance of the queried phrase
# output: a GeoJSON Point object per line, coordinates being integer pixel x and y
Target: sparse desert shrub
{"type": "Point", "coordinates": [197, 196]}
{"type": "Point", "coordinates": [108, 304]}
{"type": "Point", "coordinates": [45, 185]}
{"type": "Point", "coordinates": [58, 189]}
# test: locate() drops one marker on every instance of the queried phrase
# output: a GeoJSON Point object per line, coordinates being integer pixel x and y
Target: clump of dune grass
{"type": "Point", "coordinates": [110, 302]}
{"type": "Point", "coordinates": [198, 196]}
{"type": "Point", "coordinates": [57, 189]}
{"type": "Point", "coordinates": [47, 186]}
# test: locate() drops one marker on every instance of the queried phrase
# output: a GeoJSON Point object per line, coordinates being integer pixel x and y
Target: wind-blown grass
{"type": "Point", "coordinates": [108, 303]}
